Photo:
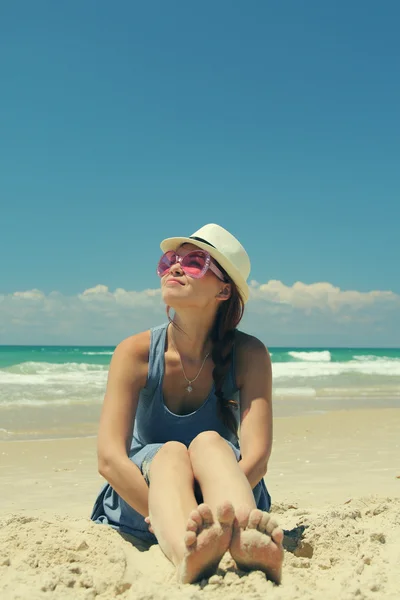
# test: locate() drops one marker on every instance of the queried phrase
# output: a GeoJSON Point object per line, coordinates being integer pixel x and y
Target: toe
{"type": "Point", "coordinates": [242, 517]}
{"type": "Point", "coordinates": [191, 525]}
{"type": "Point", "coordinates": [196, 517]}
{"type": "Point", "coordinates": [264, 522]}
{"type": "Point", "coordinates": [277, 535]}
{"type": "Point", "coordinates": [226, 514]}
{"type": "Point", "coordinates": [254, 519]}
{"type": "Point", "coordinates": [206, 514]}
{"type": "Point", "coordinates": [271, 525]}
{"type": "Point", "coordinates": [190, 538]}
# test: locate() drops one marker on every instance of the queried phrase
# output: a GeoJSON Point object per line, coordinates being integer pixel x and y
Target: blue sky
{"type": "Point", "coordinates": [124, 123]}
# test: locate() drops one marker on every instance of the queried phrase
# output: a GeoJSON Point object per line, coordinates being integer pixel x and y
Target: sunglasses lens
{"type": "Point", "coordinates": [194, 263]}
{"type": "Point", "coordinates": [166, 261]}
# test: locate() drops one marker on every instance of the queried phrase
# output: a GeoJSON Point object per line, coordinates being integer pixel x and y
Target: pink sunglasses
{"type": "Point", "coordinates": [195, 264]}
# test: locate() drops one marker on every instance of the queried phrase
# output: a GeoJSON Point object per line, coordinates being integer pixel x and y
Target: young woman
{"type": "Point", "coordinates": [168, 442]}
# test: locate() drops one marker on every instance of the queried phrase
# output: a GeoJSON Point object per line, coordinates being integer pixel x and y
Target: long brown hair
{"type": "Point", "coordinates": [228, 317]}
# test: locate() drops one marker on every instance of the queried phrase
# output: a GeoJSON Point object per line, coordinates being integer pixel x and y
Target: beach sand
{"type": "Point", "coordinates": [335, 483]}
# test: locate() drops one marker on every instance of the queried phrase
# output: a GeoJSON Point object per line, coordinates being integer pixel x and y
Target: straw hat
{"type": "Point", "coordinates": [223, 247]}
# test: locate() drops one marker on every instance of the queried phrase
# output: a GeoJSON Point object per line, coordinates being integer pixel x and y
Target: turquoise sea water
{"type": "Point", "coordinates": [57, 391]}
{"type": "Point", "coordinates": [62, 375]}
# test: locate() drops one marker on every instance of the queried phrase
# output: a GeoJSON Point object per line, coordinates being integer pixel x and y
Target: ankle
{"type": "Point", "coordinates": [177, 554]}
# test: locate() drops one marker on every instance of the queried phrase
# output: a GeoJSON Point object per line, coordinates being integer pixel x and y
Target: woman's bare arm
{"type": "Point", "coordinates": [127, 375]}
{"type": "Point", "coordinates": [254, 376]}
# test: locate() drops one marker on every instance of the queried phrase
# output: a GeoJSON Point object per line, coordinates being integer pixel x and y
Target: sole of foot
{"type": "Point", "coordinates": [206, 541]}
{"type": "Point", "coordinates": [257, 543]}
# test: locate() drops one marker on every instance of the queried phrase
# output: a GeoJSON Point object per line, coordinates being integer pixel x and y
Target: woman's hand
{"type": "Point", "coordinates": [148, 521]}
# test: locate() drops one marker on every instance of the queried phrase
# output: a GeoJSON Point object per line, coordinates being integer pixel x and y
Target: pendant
{"type": "Point", "coordinates": [189, 388]}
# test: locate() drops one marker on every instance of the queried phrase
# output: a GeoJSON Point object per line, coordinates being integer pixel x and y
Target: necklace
{"type": "Point", "coordinates": [189, 387]}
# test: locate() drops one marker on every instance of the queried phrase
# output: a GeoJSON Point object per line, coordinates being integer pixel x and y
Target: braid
{"type": "Point", "coordinates": [223, 338]}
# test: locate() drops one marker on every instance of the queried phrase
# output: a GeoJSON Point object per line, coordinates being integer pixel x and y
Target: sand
{"type": "Point", "coordinates": [334, 479]}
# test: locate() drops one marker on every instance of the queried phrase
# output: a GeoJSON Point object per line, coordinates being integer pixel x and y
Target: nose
{"type": "Point", "coordinates": [176, 268]}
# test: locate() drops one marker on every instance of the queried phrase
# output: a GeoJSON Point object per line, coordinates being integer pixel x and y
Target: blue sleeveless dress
{"type": "Point", "coordinates": [155, 425]}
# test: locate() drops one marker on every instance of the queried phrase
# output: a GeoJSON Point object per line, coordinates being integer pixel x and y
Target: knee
{"type": "Point", "coordinates": [172, 458]}
{"type": "Point", "coordinates": [204, 441]}
{"type": "Point", "coordinates": [173, 451]}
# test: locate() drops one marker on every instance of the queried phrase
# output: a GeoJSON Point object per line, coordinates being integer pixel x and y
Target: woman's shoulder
{"type": "Point", "coordinates": [137, 347]}
{"type": "Point", "coordinates": [137, 344]}
{"type": "Point", "coordinates": [250, 351]}
{"type": "Point", "coordinates": [133, 350]}
{"type": "Point", "coordinates": [246, 342]}
{"type": "Point", "coordinates": [129, 362]}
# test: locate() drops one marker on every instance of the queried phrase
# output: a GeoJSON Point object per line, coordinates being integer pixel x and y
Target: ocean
{"type": "Point", "coordinates": [58, 377]}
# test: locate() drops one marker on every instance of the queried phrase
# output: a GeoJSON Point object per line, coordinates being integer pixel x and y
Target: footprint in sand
{"type": "Point", "coordinates": [206, 541]}
{"type": "Point", "coordinates": [257, 543]}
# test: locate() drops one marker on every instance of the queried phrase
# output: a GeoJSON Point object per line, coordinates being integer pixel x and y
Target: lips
{"type": "Point", "coordinates": [173, 280]}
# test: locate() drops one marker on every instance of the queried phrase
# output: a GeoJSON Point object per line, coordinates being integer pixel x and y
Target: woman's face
{"type": "Point", "coordinates": [182, 291]}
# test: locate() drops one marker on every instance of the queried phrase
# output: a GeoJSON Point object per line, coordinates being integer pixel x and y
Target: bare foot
{"type": "Point", "coordinates": [206, 541]}
{"type": "Point", "coordinates": [257, 543]}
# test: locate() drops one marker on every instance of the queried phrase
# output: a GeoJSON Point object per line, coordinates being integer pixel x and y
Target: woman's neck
{"type": "Point", "coordinates": [191, 335]}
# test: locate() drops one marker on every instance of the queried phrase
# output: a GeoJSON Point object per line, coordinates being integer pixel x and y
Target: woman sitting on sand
{"type": "Point", "coordinates": [180, 477]}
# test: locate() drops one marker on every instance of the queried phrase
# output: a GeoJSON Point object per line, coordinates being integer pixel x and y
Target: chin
{"type": "Point", "coordinates": [173, 295]}
{"type": "Point", "coordinates": [177, 298]}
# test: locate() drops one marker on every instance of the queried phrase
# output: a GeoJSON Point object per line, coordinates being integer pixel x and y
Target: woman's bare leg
{"type": "Point", "coordinates": [257, 540]}
{"type": "Point", "coordinates": [191, 536]}
{"type": "Point", "coordinates": [216, 469]}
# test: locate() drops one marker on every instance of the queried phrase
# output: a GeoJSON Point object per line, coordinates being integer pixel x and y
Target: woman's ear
{"type": "Point", "coordinates": [225, 292]}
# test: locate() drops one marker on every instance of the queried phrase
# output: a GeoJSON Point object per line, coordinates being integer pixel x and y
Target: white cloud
{"type": "Point", "coordinates": [302, 314]}
{"type": "Point", "coordinates": [29, 295]}
{"type": "Point", "coordinates": [96, 316]}
{"type": "Point", "coordinates": [322, 296]}
{"type": "Point", "coordinates": [121, 297]}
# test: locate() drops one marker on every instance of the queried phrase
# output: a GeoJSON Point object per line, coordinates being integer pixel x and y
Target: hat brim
{"type": "Point", "coordinates": [234, 274]}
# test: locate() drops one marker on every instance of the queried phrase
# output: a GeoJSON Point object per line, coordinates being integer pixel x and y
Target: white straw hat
{"type": "Point", "coordinates": [222, 246]}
